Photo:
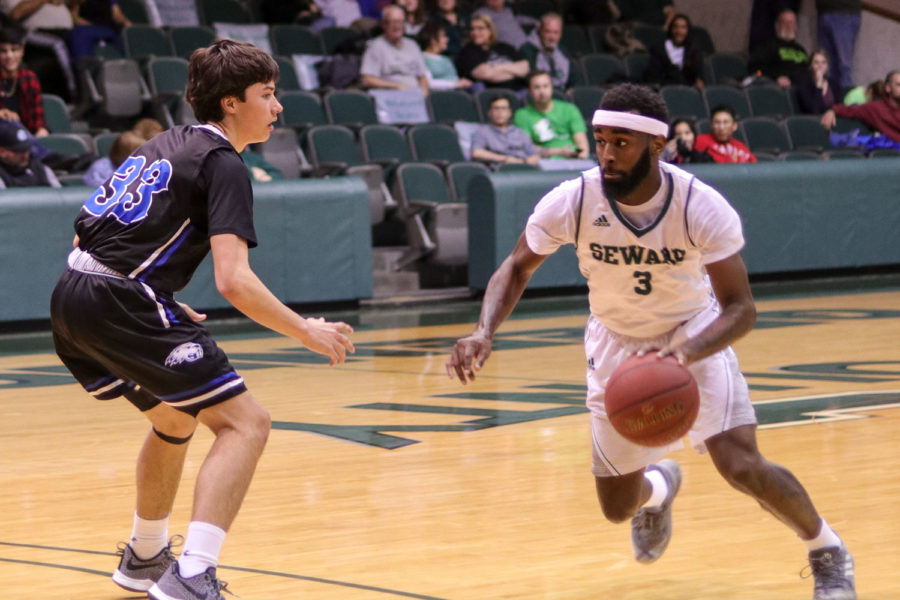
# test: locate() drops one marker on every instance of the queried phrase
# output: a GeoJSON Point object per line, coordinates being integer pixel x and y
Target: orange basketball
{"type": "Point", "coordinates": [652, 401]}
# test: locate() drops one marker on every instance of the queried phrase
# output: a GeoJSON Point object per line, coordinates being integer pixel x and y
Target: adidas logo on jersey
{"type": "Point", "coordinates": [601, 221]}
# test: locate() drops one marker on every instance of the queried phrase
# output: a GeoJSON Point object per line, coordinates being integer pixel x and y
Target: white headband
{"type": "Point", "coordinates": [615, 118]}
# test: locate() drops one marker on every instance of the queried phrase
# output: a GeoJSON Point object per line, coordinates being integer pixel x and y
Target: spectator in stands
{"type": "Point", "coordinates": [869, 93]}
{"type": "Point", "coordinates": [881, 115]}
{"type": "Point", "coordinates": [818, 90]}
{"type": "Point", "coordinates": [18, 166]}
{"type": "Point", "coordinates": [48, 23]}
{"type": "Point", "coordinates": [442, 73]}
{"type": "Point", "coordinates": [783, 59]}
{"type": "Point", "coordinates": [509, 31]}
{"type": "Point", "coordinates": [392, 61]}
{"type": "Point", "coordinates": [500, 142]}
{"type": "Point", "coordinates": [555, 126]}
{"type": "Point", "coordinates": [679, 60]}
{"type": "Point", "coordinates": [493, 63]}
{"type": "Point", "coordinates": [455, 22]}
{"type": "Point", "coordinates": [95, 22]}
{"type": "Point", "coordinates": [680, 147]}
{"type": "Point", "coordinates": [104, 167]}
{"type": "Point", "coordinates": [720, 143]}
{"type": "Point", "coordinates": [651, 12]}
{"type": "Point", "coordinates": [543, 52]}
{"type": "Point", "coordinates": [838, 25]}
{"type": "Point", "coordinates": [20, 90]}
{"type": "Point", "coordinates": [415, 16]}
{"type": "Point", "coordinates": [127, 142]}
{"type": "Point", "coordinates": [763, 16]}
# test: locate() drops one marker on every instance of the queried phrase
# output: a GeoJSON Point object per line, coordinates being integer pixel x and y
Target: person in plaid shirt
{"type": "Point", "coordinates": [20, 90]}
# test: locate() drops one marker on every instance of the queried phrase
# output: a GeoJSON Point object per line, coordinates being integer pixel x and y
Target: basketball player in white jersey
{"type": "Point", "coordinates": [661, 253]}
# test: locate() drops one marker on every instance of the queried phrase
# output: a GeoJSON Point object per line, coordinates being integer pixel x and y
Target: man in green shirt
{"type": "Point", "coordinates": [556, 127]}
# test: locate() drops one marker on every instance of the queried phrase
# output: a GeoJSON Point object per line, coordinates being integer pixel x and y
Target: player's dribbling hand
{"type": "Point", "coordinates": [329, 338]}
{"type": "Point", "coordinates": [468, 355]}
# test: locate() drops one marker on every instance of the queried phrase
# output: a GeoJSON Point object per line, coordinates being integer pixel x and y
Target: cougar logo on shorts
{"type": "Point", "coordinates": [186, 352]}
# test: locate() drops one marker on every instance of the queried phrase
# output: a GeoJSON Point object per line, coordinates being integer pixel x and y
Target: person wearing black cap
{"type": "Point", "coordinates": [18, 166]}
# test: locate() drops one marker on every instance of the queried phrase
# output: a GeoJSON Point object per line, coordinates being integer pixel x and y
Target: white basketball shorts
{"type": "Point", "coordinates": [724, 396]}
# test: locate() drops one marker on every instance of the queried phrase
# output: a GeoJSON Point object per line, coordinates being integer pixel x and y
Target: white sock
{"type": "Point", "coordinates": [201, 548]}
{"type": "Point", "coordinates": [826, 538]}
{"type": "Point", "coordinates": [149, 537]}
{"type": "Point", "coordinates": [660, 489]}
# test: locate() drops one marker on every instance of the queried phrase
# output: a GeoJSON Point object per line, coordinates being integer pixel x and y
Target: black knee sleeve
{"type": "Point", "coordinates": [177, 441]}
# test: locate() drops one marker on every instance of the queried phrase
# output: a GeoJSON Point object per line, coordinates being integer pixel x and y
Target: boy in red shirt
{"type": "Point", "coordinates": [720, 143]}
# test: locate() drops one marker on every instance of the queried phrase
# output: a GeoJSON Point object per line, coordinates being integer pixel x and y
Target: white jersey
{"type": "Point", "coordinates": [644, 279]}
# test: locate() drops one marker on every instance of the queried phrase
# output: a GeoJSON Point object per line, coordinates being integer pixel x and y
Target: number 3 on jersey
{"type": "Point", "coordinates": [129, 193]}
{"type": "Point", "coordinates": [643, 279]}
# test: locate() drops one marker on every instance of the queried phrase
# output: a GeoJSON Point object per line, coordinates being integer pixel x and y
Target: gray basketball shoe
{"type": "Point", "coordinates": [138, 574]}
{"type": "Point", "coordinates": [651, 528]}
{"type": "Point", "coordinates": [832, 569]}
{"type": "Point", "coordinates": [172, 586]}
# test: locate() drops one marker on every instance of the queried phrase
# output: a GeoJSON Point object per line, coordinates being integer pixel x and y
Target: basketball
{"type": "Point", "coordinates": [652, 401]}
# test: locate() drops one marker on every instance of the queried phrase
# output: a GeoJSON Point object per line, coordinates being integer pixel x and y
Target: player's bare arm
{"type": "Point", "coordinates": [732, 289]}
{"type": "Point", "coordinates": [237, 282]}
{"type": "Point", "coordinates": [502, 293]}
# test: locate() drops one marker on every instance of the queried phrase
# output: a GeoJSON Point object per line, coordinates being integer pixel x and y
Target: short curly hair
{"type": "Point", "coordinates": [227, 68]}
{"type": "Point", "coordinates": [628, 97]}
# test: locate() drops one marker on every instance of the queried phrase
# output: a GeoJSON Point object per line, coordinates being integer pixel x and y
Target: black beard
{"type": "Point", "coordinates": [616, 190]}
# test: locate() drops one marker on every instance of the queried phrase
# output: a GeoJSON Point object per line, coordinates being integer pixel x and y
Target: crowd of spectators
{"type": "Point", "coordinates": [470, 45]}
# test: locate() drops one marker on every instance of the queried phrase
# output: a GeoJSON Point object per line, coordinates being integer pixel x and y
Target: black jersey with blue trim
{"type": "Point", "coordinates": [152, 219]}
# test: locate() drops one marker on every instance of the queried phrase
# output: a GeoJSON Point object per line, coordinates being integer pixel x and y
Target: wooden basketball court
{"type": "Point", "coordinates": [383, 479]}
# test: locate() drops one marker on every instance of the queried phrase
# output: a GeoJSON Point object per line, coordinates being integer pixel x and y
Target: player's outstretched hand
{"type": "Point", "coordinates": [328, 338]}
{"type": "Point", "coordinates": [468, 356]}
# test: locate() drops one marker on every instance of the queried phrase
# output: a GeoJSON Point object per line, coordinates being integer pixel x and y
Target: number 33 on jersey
{"type": "Point", "coordinates": [128, 195]}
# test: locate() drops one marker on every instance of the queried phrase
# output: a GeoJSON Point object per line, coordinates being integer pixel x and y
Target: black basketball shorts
{"type": "Point", "coordinates": [114, 334]}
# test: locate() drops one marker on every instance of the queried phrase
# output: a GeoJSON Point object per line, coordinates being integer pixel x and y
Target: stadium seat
{"type": "Point", "coordinates": [448, 106]}
{"type": "Point", "coordinates": [460, 174]}
{"type": "Point", "coordinates": [56, 114]}
{"type": "Point", "coordinates": [301, 110]}
{"type": "Point", "coordinates": [288, 39]}
{"type": "Point", "coordinates": [601, 69]}
{"type": "Point", "coordinates": [424, 196]}
{"type": "Point", "coordinates": [385, 145]}
{"type": "Point", "coordinates": [167, 77]}
{"type": "Point", "coordinates": [807, 133]}
{"type": "Point", "coordinates": [436, 143]}
{"type": "Point", "coordinates": [223, 11]}
{"type": "Point", "coordinates": [282, 151]}
{"type": "Point", "coordinates": [597, 35]}
{"type": "Point", "coordinates": [587, 98]}
{"type": "Point", "coordinates": [333, 151]}
{"type": "Point", "coordinates": [684, 101]}
{"type": "Point", "coordinates": [846, 125]}
{"type": "Point", "coordinates": [332, 37]}
{"type": "Point", "coordinates": [188, 38]}
{"type": "Point", "coordinates": [104, 141]}
{"type": "Point", "coordinates": [575, 41]}
{"type": "Point", "coordinates": [792, 155]}
{"type": "Point", "coordinates": [718, 95]}
{"type": "Point", "coordinates": [636, 65]}
{"type": "Point", "coordinates": [728, 67]}
{"type": "Point", "coordinates": [135, 11]}
{"type": "Point", "coordinates": [287, 75]}
{"type": "Point", "coordinates": [769, 101]}
{"type": "Point", "coordinates": [703, 40]}
{"type": "Point", "coordinates": [117, 89]}
{"type": "Point", "coordinates": [70, 144]}
{"type": "Point", "coordinates": [353, 108]}
{"type": "Point", "coordinates": [765, 134]}
{"type": "Point", "coordinates": [144, 41]}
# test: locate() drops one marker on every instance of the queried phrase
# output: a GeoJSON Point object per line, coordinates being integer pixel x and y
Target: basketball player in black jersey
{"type": "Point", "coordinates": [118, 328]}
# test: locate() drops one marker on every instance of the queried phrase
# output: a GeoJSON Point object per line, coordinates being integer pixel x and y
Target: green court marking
{"type": "Point", "coordinates": [281, 574]}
